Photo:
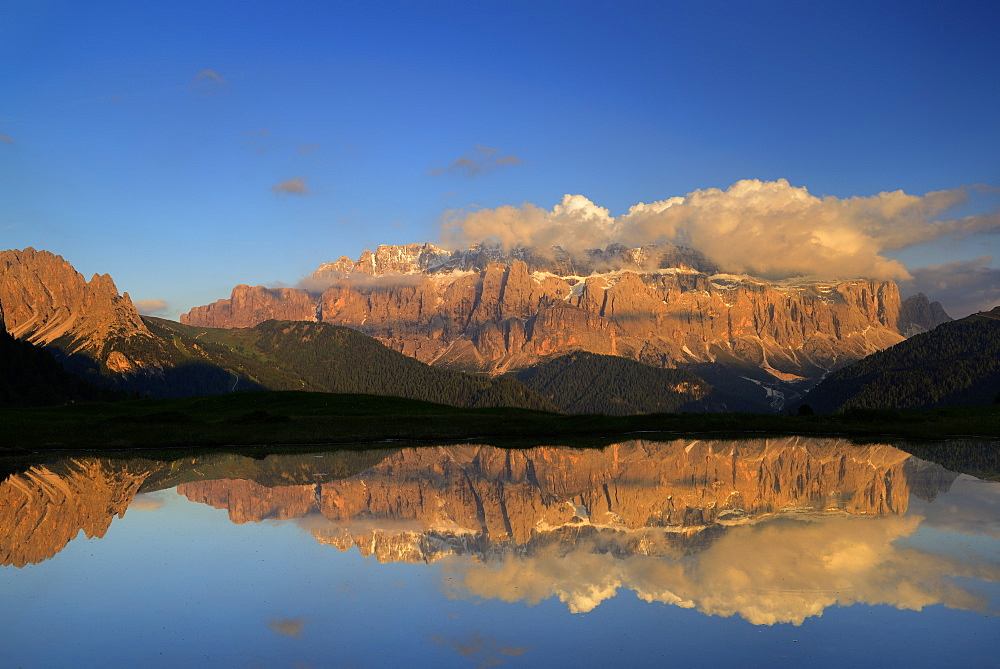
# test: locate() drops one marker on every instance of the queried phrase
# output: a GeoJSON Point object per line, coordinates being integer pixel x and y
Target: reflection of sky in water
{"type": "Point", "coordinates": [175, 582]}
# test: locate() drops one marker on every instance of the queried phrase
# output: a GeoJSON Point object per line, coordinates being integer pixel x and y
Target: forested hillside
{"type": "Point", "coordinates": [588, 383]}
{"type": "Point", "coordinates": [956, 364]}
{"type": "Point", "coordinates": [285, 355]}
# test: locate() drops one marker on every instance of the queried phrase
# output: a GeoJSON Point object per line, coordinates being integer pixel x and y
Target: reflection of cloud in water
{"type": "Point", "coordinates": [486, 650]}
{"type": "Point", "coordinates": [288, 627]}
{"type": "Point", "coordinates": [147, 502]}
{"type": "Point", "coordinates": [971, 507]}
{"type": "Point", "coordinates": [776, 572]}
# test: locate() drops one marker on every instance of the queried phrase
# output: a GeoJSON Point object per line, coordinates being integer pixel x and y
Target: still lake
{"type": "Point", "coordinates": [688, 552]}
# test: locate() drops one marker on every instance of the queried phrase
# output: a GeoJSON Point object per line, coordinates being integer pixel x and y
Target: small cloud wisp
{"type": "Point", "coordinates": [296, 186]}
{"type": "Point", "coordinates": [481, 160]}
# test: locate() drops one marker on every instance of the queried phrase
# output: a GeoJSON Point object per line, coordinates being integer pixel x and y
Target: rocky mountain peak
{"type": "Point", "coordinates": [428, 258]}
{"type": "Point", "coordinates": [918, 314]}
{"type": "Point", "coordinates": [44, 300]}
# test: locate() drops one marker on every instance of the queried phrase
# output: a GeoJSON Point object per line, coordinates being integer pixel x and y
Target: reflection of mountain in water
{"type": "Point", "coordinates": [649, 497]}
{"type": "Point", "coordinates": [44, 508]}
{"type": "Point", "coordinates": [421, 504]}
{"type": "Point", "coordinates": [774, 530]}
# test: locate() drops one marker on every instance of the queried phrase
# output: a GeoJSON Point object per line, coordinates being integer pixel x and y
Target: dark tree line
{"type": "Point", "coordinates": [955, 364]}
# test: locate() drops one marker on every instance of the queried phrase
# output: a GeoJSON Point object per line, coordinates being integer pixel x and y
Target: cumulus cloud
{"type": "Point", "coordinates": [767, 228]}
{"type": "Point", "coordinates": [963, 286]}
{"type": "Point", "coordinates": [152, 307]}
{"type": "Point", "coordinates": [481, 160]}
{"type": "Point", "coordinates": [208, 81]}
{"type": "Point", "coordinates": [296, 186]}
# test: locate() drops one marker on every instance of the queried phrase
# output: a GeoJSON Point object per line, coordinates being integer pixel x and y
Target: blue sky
{"type": "Point", "coordinates": [187, 147]}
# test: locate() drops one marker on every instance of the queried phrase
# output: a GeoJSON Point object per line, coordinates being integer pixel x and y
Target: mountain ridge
{"type": "Point", "coordinates": [494, 310]}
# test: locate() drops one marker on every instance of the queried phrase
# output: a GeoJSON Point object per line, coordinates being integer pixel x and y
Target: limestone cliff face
{"type": "Point", "coordinates": [421, 504]}
{"type": "Point", "coordinates": [44, 508]}
{"type": "Point", "coordinates": [47, 302]}
{"type": "Point", "coordinates": [490, 310]}
{"type": "Point", "coordinates": [250, 305]}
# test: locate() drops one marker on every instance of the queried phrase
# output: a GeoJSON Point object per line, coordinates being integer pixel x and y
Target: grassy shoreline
{"type": "Point", "coordinates": [291, 419]}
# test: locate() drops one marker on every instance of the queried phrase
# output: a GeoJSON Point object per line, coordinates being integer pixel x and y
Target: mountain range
{"type": "Point", "coordinates": [97, 334]}
{"type": "Point", "coordinates": [759, 343]}
{"type": "Point", "coordinates": [490, 310]}
{"type": "Point", "coordinates": [656, 328]}
{"type": "Point", "coordinates": [421, 504]}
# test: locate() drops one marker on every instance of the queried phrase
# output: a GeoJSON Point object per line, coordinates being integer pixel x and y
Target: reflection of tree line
{"type": "Point", "coordinates": [421, 504]}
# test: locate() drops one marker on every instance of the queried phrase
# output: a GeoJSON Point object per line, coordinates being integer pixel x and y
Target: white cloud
{"type": "Point", "coordinates": [767, 228]}
{"type": "Point", "coordinates": [152, 307]}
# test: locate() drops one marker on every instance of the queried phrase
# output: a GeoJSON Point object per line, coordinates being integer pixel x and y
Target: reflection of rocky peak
{"type": "Point", "coordinates": [248, 501]}
{"type": "Point", "coordinates": [927, 479]}
{"type": "Point", "coordinates": [44, 508]}
{"type": "Point", "coordinates": [421, 504]}
{"type": "Point", "coordinates": [45, 301]}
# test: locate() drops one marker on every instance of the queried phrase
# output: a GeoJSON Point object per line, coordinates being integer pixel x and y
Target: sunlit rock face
{"type": "Point", "coordinates": [45, 301]}
{"type": "Point", "coordinates": [492, 310]}
{"type": "Point", "coordinates": [44, 508]}
{"type": "Point", "coordinates": [421, 504]}
{"type": "Point", "coordinates": [251, 305]}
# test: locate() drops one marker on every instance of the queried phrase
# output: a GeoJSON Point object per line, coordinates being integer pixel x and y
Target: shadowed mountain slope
{"type": "Point", "coordinates": [955, 364]}
{"type": "Point", "coordinates": [588, 383]}
{"type": "Point", "coordinates": [289, 355]}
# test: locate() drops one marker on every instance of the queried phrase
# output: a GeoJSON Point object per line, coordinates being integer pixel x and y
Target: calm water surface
{"type": "Point", "coordinates": [690, 553]}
